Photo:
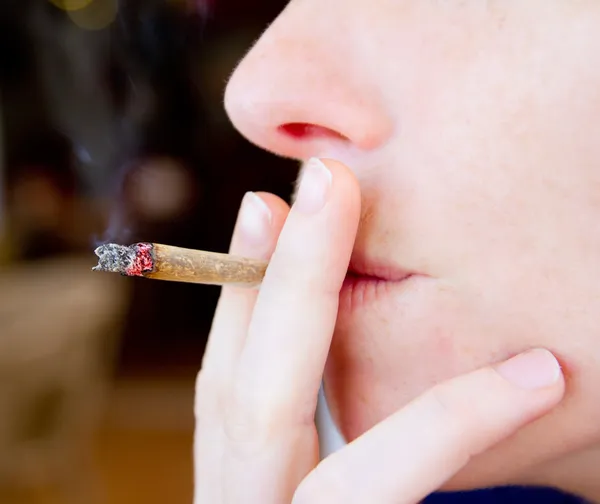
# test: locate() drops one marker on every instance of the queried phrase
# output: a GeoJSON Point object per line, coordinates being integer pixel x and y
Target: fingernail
{"type": "Point", "coordinates": [314, 187]}
{"type": "Point", "coordinates": [255, 219]}
{"type": "Point", "coordinates": [533, 369]}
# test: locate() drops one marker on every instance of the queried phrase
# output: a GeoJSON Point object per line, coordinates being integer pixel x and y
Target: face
{"type": "Point", "coordinates": [473, 129]}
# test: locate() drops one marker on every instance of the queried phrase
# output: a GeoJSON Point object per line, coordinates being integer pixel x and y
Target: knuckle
{"type": "Point", "coordinates": [474, 412]}
{"type": "Point", "coordinates": [461, 418]}
{"type": "Point", "coordinates": [253, 416]}
{"type": "Point", "coordinates": [242, 424]}
{"type": "Point", "coordinates": [204, 383]}
{"type": "Point", "coordinates": [443, 400]}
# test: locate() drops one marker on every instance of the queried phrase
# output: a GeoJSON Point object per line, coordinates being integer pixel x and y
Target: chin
{"type": "Point", "coordinates": [387, 348]}
{"type": "Point", "coordinates": [514, 461]}
{"type": "Point", "coordinates": [393, 342]}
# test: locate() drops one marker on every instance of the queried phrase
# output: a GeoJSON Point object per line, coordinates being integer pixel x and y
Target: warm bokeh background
{"type": "Point", "coordinates": [112, 127]}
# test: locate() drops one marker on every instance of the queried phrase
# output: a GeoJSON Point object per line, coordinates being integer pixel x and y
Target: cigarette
{"type": "Point", "coordinates": [165, 262]}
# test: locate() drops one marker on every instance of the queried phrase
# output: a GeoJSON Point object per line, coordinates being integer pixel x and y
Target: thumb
{"type": "Point", "coordinates": [414, 451]}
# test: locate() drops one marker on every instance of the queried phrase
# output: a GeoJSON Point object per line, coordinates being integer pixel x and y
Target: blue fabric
{"type": "Point", "coordinates": [513, 495]}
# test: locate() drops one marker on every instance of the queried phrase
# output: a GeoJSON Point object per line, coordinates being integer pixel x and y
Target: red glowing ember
{"type": "Point", "coordinates": [142, 262]}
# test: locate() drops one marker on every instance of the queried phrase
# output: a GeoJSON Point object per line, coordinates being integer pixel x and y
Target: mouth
{"type": "Point", "coordinates": [369, 280]}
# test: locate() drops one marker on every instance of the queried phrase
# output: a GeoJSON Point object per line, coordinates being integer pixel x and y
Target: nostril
{"type": "Point", "coordinates": [305, 131]}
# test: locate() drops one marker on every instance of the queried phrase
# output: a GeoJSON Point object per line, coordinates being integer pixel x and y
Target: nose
{"type": "Point", "coordinates": [299, 92]}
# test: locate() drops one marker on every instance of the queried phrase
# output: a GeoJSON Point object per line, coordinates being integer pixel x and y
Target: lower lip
{"type": "Point", "coordinates": [359, 291]}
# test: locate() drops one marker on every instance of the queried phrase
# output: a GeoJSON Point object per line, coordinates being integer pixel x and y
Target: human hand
{"type": "Point", "coordinates": [256, 442]}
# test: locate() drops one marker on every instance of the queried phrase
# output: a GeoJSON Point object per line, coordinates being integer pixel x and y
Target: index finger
{"type": "Point", "coordinates": [281, 366]}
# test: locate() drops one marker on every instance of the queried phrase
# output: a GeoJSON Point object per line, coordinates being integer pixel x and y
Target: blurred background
{"type": "Point", "coordinates": [112, 129]}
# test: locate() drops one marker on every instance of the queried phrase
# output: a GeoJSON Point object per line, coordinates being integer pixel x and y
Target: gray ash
{"type": "Point", "coordinates": [115, 258]}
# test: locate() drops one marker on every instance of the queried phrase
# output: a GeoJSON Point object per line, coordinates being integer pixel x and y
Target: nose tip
{"type": "Point", "coordinates": [298, 100]}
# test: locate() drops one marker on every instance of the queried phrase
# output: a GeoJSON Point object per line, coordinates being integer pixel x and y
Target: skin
{"type": "Point", "coordinates": [466, 139]}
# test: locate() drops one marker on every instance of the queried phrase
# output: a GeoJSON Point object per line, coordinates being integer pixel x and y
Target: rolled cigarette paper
{"type": "Point", "coordinates": [165, 262]}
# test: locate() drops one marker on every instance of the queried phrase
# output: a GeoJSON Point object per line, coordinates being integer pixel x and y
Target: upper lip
{"type": "Point", "coordinates": [362, 265]}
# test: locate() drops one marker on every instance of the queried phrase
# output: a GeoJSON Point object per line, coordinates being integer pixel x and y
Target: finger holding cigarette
{"type": "Point", "coordinates": [166, 262]}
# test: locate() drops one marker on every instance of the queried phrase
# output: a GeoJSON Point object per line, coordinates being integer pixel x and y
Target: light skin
{"type": "Point", "coordinates": [465, 138]}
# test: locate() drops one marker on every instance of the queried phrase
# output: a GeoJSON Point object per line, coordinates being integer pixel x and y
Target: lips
{"type": "Point", "coordinates": [362, 266]}
{"type": "Point", "coordinates": [369, 280]}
